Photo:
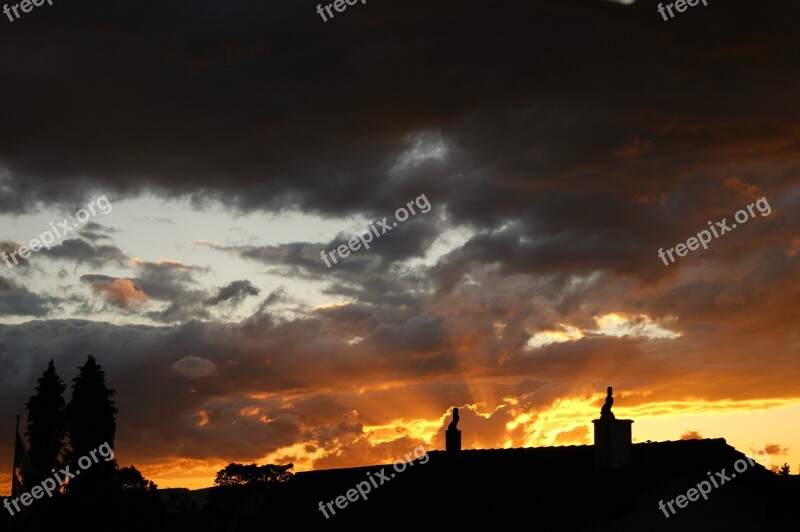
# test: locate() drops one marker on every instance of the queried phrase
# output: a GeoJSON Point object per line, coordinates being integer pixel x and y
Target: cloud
{"type": "Point", "coordinates": [82, 252]}
{"type": "Point", "coordinates": [94, 231]}
{"type": "Point", "coordinates": [774, 449]}
{"type": "Point", "coordinates": [691, 435]}
{"type": "Point", "coordinates": [343, 165]}
{"type": "Point", "coordinates": [167, 281]}
{"type": "Point", "coordinates": [633, 148]}
{"type": "Point", "coordinates": [576, 436]}
{"type": "Point", "coordinates": [194, 368]}
{"type": "Point", "coordinates": [122, 293]}
{"type": "Point", "coordinates": [552, 189]}
{"type": "Point", "coordinates": [16, 300]}
{"type": "Point", "coordinates": [233, 293]}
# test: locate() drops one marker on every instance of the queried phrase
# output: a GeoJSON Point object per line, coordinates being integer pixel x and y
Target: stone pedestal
{"type": "Point", "coordinates": [612, 443]}
{"type": "Point", "coordinates": [453, 441]}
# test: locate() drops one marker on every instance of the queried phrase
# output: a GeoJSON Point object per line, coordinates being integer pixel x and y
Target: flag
{"type": "Point", "coordinates": [22, 462]}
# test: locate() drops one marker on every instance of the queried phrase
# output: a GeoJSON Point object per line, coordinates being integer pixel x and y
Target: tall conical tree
{"type": "Point", "coordinates": [91, 413]}
{"type": "Point", "coordinates": [91, 422]}
{"type": "Point", "coordinates": [46, 425]}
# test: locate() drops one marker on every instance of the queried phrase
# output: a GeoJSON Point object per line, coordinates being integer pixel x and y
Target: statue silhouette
{"type": "Point", "coordinates": [452, 425]}
{"type": "Point", "coordinates": [605, 412]}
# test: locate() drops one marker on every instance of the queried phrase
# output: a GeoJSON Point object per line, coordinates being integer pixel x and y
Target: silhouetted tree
{"type": "Point", "coordinates": [91, 422]}
{"type": "Point", "coordinates": [242, 475]}
{"type": "Point", "coordinates": [241, 491]}
{"type": "Point", "coordinates": [91, 413]}
{"type": "Point", "coordinates": [46, 425]}
{"type": "Point", "coordinates": [784, 470]}
{"type": "Point", "coordinates": [139, 506]}
{"type": "Point", "coordinates": [130, 479]}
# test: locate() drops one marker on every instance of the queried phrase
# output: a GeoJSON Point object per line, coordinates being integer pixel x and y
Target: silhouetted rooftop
{"type": "Point", "coordinates": [554, 487]}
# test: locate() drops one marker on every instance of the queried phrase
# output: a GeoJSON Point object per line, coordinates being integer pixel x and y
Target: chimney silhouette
{"type": "Point", "coordinates": [453, 436]}
{"type": "Point", "coordinates": [612, 438]}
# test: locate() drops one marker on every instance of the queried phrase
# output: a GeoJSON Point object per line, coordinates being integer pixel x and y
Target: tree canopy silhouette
{"type": "Point", "coordinates": [130, 479]}
{"type": "Point", "coordinates": [104, 497]}
{"type": "Point", "coordinates": [91, 422]}
{"type": "Point", "coordinates": [46, 425]}
{"type": "Point", "coordinates": [242, 475]}
{"type": "Point", "coordinates": [91, 414]}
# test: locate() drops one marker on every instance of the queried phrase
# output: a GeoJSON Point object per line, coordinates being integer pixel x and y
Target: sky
{"type": "Point", "coordinates": [550, 150]}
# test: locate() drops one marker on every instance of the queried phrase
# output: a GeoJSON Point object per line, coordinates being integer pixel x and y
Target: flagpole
{"type": "Point", "coordinates": [14, 461]}
{"type": "Point", "coordinates": [13, 473]}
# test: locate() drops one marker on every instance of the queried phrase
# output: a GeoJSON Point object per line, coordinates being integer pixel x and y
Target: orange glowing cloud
{"type": "Point", "coordinates": [120, 292]}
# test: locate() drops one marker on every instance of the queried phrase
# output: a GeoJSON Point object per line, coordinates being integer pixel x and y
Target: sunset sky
{"type": "Point", "coordinates": [560, 144]}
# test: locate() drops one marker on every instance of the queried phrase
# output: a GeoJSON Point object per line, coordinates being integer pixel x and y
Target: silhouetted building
{"type": "Point", "coordinates": [548, 488]}
{"type": "Point", "coordinates": [612, 437]}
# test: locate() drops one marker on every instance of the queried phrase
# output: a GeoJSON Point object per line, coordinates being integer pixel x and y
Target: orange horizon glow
{"type": "Point", "coordinates": [745, 425]}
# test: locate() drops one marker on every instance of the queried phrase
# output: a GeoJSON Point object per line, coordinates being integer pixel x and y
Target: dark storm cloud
{"type": "Point", "coordinates": [185, 307]}
{"type": "Point", "coordinates": [262, 318]}
{"type": "Point", "coordinates": [171, 282]}
{"type": "Point", "coordinates": [132, 355]}
{"type": "Point", "coordinates": [268, 361]}
{"type": "Point", "coordinates": [83, 252]}
{"type": "Point", "coordinates": [94, 231]}
{"type": "Point", "coordinates": [557, 169]}
{"type": "Point", "coordinates": [312, 358]}
{"type": "Point", "coordinates": [16, 300]}
{"type": "Point", "coordinates": [420, 334]}
{"type": "Point", "coordinates": [410, 239]}
{"type": "Point", "coordinates": [165, 281]}
{"type": "Point", "coordinates": [279, 109]}
{"type": "Point", "coordinates": [233, 292]}
{"type": "Point", "coordinates": [202, 417]}
{"type": "Point", "coordinates": [23, 266]}
{"type": "Point", "coordinates": [569, 139]}
{"type": "Point", "coordinates": [298, 258]}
